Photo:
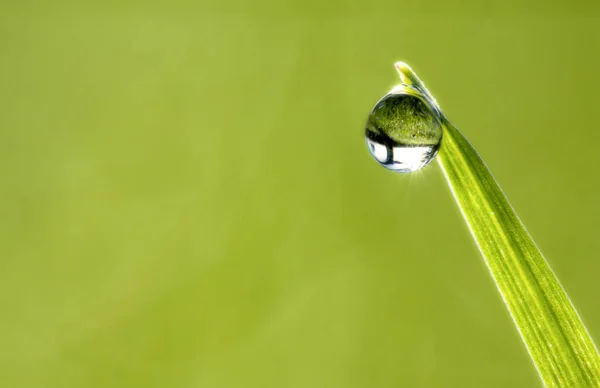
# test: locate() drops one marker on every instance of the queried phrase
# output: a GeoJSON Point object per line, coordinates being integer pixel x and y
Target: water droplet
{"type": "Point", "coordinates": [403, 131]}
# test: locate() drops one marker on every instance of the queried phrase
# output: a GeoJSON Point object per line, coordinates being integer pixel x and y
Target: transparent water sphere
{"type": "Point", "coordinates": [403, 131]}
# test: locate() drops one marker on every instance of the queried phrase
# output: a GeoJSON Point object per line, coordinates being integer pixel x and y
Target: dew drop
{"type": "Point", "coordinates": [403, 131]}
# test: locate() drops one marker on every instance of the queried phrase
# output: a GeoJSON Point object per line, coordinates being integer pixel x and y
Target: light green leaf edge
{"type": "Point", "coordinates": [558, 342]}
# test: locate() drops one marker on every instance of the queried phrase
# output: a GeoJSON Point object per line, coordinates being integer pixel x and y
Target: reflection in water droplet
{"type": "Point", "coordinates": [403, 131]}
{"type": "Point", "coordinates": [401, 158]}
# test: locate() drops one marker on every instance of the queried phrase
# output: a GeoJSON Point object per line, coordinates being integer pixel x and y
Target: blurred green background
{"type": "Point", "coordinates": [187, 199]}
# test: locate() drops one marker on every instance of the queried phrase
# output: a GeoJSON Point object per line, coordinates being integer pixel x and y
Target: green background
{"type": "Point", "coordinates": [186, 199]}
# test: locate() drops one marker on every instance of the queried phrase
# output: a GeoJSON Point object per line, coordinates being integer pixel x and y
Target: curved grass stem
{"type": "Point", "coordinates": [557, 341]}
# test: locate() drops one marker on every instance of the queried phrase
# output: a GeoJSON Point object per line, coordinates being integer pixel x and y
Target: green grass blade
{"type": "Point", "coordinates": [556, 338]}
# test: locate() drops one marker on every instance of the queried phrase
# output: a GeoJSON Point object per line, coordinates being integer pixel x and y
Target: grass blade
{"type": "Point", "coordinates": [556, 338]}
